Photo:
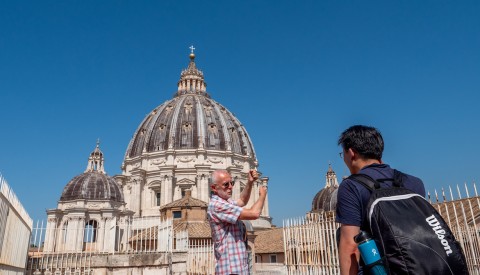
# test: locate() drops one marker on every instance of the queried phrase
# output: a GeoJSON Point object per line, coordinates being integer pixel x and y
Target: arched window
{"type": "Point", "coordinates": [90, 233]}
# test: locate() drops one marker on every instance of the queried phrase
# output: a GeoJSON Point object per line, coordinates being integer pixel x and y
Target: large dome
{"type": "Point", "coordinates": [190, 120]}
{"type": "Point", "coordinates": [93, 184]}
{"type": "Point", "coordinates": [326, 199]}
{"type": "Point", "coordinates": [180, 143]}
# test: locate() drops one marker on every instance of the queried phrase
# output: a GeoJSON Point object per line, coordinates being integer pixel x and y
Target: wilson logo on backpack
{"type": "Point", "coordinates": [435, 224]}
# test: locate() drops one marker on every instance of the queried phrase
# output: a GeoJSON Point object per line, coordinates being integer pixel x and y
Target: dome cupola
{"type": "Point", "coordinates": [94, 183]}
{"type": "Point", "coordinates": [326, 199]}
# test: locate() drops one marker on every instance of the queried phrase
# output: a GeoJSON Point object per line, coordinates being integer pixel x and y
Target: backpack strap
{"type": "Point", "coordinates": [397, 180]}
{"type": "Point", "coordinates": [371, 184]}
{"type": "Point", "coordinates": [366, 181]}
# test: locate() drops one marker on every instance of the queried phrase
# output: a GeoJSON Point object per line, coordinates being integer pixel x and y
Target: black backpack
{"type": "Point", "coordinates": [410, 234]}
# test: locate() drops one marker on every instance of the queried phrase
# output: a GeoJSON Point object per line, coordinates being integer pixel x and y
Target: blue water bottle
{"type": "Point", "coordinates": [370, 254]}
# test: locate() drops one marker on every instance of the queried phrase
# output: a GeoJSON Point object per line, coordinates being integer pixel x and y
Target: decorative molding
{"type": "Point", "coordinates": [69, 205]}
{"type": "Point", "coordinates": [158, 161]}
{"type": "Point", "coordinates": [186, 158]}
{"type": "Point", "coordinates": [238, 163]}
{"type": "Point", "coordinates": [215, 160]}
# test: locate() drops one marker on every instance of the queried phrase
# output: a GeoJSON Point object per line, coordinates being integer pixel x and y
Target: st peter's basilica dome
{"type": "Point", "coordinates": [180, 143]}
{"type": "Point", "coordinates": [190, 120]}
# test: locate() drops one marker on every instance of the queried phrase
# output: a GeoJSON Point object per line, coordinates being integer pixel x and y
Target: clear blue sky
{"type": "Point", "coordinates": [296, 73]}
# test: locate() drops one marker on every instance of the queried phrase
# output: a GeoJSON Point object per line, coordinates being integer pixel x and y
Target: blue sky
{"type": "Point", "coordinates": [296, 74]}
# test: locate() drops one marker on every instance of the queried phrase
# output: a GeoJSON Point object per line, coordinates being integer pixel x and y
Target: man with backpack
{"type": "Point", "coordinates": [362, 153]}
{"type": "Point", "coordinates": [411, 236]}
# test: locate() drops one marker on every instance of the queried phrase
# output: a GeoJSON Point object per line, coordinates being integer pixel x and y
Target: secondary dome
{"type": "Point", "coordinates": [326, 199]}
{"type": "Point", "coordinates": [190, 120]}
{"type": "Point", "coordinates": [94, 183]}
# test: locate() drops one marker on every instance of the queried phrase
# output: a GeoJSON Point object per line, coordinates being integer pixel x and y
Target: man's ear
{"type": "Point", "coordinates": [213, 187]}
{"type": "Point", "coordinates": [352, 153]}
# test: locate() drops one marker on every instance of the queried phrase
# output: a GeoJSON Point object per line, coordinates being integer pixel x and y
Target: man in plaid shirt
{"type": "Point", "coordinates": [225, 215]}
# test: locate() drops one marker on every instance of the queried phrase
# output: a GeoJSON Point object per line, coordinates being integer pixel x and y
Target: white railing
{"type": "Point", "coordinates": [201, 258]}
{"type": "Point", "coordinates": [15, 229]}
{"type": "Point", "coordinates": [310, 245]}
{"type": "Point", "coordinates": [54, 247]}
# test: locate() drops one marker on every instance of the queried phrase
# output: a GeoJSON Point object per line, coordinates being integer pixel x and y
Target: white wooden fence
{"type": "Point", "coordinates": [310, 246]}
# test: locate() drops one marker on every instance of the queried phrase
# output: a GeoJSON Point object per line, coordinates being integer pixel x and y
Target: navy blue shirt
{"type": "Point", "coordinates": [353, 197]}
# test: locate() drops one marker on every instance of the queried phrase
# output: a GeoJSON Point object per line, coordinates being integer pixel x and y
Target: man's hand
{"type": "Point", "coordinates": [252, 176]}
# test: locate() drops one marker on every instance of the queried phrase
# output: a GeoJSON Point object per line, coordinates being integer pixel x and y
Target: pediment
{"type": "Point", "coordinates": [186, 182]}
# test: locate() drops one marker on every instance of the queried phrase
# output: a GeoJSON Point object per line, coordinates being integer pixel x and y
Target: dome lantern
{"type": "Point", "coordinates": [191, 79]}
{"type": "Point", "coordinates": [95, 161]}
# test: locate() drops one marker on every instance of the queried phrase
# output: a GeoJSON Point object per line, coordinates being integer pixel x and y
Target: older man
{"type": "Point", "coordinates": [225, 215]}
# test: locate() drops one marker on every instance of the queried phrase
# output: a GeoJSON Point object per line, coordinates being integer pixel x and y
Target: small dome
{"type": "Point", "coordinates": [94, 183]}
{"type": "Point", "coordinates": [326, 199]}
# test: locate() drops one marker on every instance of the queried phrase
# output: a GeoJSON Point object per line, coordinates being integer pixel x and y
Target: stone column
{"type": "Point", "coordinates": [167, 186]}
{"type": "Point", "coordinates": [76, 227]}
{"type": "Point", "coordinates": [265, 211]}
{"type": "Point", "coordinates": [101, 235]}
{"type": "Point", "coordinates": [110, 234]}
{"type": "Point", "coordinates": [50, 235]}
{"type": "Point", "coordinates": [136, 196]}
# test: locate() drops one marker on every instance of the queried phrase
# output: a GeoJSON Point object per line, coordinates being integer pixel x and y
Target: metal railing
{"type": "Point", "coordinates": [54, 247]}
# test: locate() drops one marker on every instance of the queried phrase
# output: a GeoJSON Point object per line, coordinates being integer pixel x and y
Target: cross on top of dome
{"type": "Point", "coordinates": [192, 55]}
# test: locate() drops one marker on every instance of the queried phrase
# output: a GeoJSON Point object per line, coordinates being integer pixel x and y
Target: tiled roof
{"type": "Point", "coordinates": [196, 229]}
{"type": "Point", "coordinates": [186, 201]}
{"type": "Point", "coordinates": [269, 241]}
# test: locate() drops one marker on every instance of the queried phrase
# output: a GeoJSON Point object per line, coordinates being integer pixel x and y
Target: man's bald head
{"type": "Point", "coordinates": [218, 176]}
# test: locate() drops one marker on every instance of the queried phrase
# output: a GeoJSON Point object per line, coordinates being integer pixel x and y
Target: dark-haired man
{"type": "Point", "coordinates": [225, 215]}
{"type": "Point", "coordinates": [362, 149]}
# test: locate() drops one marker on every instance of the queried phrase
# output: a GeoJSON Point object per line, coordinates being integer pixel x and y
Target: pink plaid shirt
{"type": "Point", "coordinates": [228, 236]}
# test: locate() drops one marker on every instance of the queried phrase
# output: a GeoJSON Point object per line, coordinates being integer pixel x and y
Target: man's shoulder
{"type": "Point", "coordinates": [414, 183]}
{"type": "Point", "coordinates": [410, 182]}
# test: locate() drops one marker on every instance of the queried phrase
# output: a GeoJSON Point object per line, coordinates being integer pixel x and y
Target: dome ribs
{"type": "Point", "coordinates": [186, 135]}
{"type": "Point", "coordinates": [140, 135]}
{"type": "Point", "coordinates": [92, 186]}
{"type": "Point", "coordinates": [158, 138]}
{"type": "Point", "coordinates": [201, 130]}
{"type": "Point", "coordinates": [171, 137]}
